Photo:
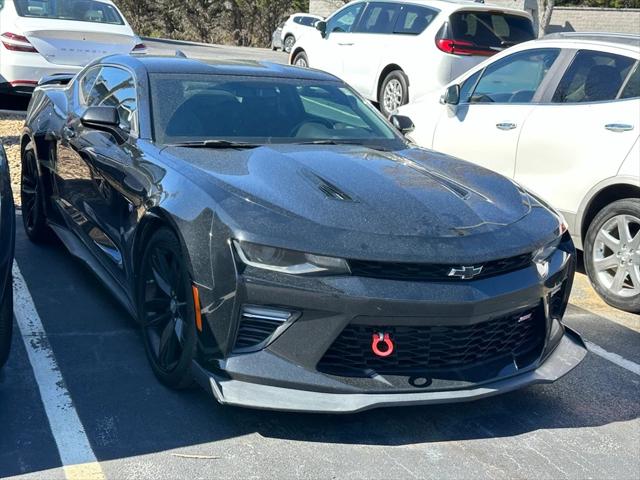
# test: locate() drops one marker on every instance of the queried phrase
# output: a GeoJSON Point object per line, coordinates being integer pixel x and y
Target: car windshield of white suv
{"type": "Point", "coordinates": [74, 10]}
{"type": "Point", "coordinates": [214, 108]}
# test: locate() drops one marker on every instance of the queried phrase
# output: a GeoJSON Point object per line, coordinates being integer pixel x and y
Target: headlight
{"type": "Point", "coordinates": [289, 261]}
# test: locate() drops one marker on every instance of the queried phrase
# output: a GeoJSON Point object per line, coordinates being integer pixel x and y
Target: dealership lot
{"type": "Point", "coordinates": [585, 426]}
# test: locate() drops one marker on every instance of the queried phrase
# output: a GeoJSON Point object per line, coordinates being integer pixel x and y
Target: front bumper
{"type": "Point", "coordinates": [296, 369]}
{"type": "Point", "coordinates": [567, 355]}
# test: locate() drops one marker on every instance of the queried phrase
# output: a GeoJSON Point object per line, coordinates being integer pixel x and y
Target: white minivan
{"type": "Point", "coordinates": [393, 51]}
{"type": "Point", "coordinates": [47, 37]}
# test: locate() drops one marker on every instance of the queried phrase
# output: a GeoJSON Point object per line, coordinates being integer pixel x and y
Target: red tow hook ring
{"type": "Point", "coordinates": [382, 345]}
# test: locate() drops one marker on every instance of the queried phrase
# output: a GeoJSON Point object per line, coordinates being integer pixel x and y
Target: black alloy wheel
{"type": "Point", "coordinates": [166, 310]}
{"type": "Point", "coordinates": [33, 216]}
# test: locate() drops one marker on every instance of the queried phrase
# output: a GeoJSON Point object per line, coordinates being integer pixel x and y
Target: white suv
{"type": "Point", "coordinates": [561, 116]}
{"type": "Point", "coordinates": [295, 26]}
{"type": "Point", "coordinates": [46, 37]}
{"type": "Point", "coordinates": [395, 50]}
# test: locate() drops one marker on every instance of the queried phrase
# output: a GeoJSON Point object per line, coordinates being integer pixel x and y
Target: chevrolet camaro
{"type": "Point", "coordinates": [282, 244]}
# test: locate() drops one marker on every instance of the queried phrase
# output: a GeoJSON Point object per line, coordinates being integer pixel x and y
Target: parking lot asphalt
{"type": "Point", "coordinates": [584, 426]}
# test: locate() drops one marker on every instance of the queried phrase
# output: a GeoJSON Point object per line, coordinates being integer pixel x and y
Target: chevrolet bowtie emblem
{"type": "Point", "coordinates": [465, 273]}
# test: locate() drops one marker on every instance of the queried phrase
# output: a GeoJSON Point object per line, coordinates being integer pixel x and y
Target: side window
{"type": "Point", "coordinates": [467, 87]}
{"type": "Point", "coordinates": [298, 20]}
{"type": "Point", "coordinates": [86, 85]}
{"type": "Point", "coordinates": [593, 77]}
{"type": "Point", "coordinates": [413, 20]}
{"type": "Point", "coordinates": [516, 78]}
{"type": "Point", "coordinates": [379, 18]}
{"type": "Point", "coordinates": [632, 88]}
{"type": "Point", "coordinates": [308, 21]}
{"type": "Point", "coordinates": [344, 20]}
{"type": "Point", "coordinates": [116, 87]}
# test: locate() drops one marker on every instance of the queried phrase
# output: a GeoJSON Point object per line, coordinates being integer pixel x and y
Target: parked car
{"type": "Point", "coordinates": [41, 38]}
{"type": "Point", "coordinates": [7, 240]}
{"type": "Point", "coordinates": [397, 50]}
{"type": "Point", "coordinates": [276, 38]}
{"type": "Point", "coordinates": [561, 116]}
{"type": "Point", "coordinates": [294, 251]}
{"type": "Point", "coordinates": [295, 27]}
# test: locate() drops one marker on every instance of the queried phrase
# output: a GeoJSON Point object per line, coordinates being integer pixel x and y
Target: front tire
{"type": "Point", "coordinates": [394, 92]}
{"type": "Point", "coordinates": [301, 60]}
{"type": "Point", "coordinates": [612, 254]}
{"type": "Point", "coordinates": [6, 323]}
{"type": "Point", "coordinates": [166, 310]}
{"type": "Point", "coordinates": [32, 199]}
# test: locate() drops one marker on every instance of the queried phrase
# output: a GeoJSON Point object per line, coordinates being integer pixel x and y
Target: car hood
{"type": "Point", "coordinates": [364, 193]}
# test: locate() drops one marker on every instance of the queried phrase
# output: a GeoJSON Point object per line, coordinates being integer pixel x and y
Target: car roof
{"type": "Point", "coordinates": [612, 39]}
{"type": "Point", "coordinates": [180, 64]}
{"type": "Point", "coordinates": [450, 6]}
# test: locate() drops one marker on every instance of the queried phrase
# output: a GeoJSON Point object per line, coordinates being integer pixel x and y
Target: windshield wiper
{"type": "Point", "coordinates": [215, 144]}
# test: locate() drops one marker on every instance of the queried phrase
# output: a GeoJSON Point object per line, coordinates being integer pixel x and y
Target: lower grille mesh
{"type": "Point", "coordinates": [435, 348]}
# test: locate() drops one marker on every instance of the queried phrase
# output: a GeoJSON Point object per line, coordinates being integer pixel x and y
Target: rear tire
{"type": "Point", "coordinates": [612, 254]}
{"type": "Point", "coordinates": [32, 199]}
{"type": "Point", "coordinates": [6, 323]}
{"type": "Point", "coordinates": [301, 60]}
{"type": "Point", "coordinates": [288, 43]}
{"type": "Point", "coordinates": [166, 310]}
{"type": "Point", "coordinates": [394, 92]}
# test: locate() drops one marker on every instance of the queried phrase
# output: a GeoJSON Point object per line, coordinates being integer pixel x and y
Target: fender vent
{"type": "Point", "coordinates": [257, 326]}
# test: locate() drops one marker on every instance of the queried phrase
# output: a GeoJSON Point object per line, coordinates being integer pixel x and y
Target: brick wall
{"type": "Point", "coordinates": [570, 19]}
{"type": "Point", "coordinates": [324, 7]}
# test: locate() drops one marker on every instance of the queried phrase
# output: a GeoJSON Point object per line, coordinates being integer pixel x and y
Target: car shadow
{"type": "Point", "coordinates": [127, 413]}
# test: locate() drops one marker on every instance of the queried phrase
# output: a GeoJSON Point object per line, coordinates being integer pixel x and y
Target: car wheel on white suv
{"type": "Point", "coordinates": [612, 254]}
{"type": "Point", "coordinates": [394, 92]}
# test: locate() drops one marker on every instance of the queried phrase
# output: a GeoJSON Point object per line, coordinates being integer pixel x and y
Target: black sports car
{"type": "Point", "coordinates": [282, 244]}
{"type": "Point", "coordinates": [7, 234]}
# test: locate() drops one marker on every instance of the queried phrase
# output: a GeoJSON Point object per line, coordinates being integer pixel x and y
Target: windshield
{"type": "Point", "coordinates": [259, 110]}
{"type": "Point", "coordinates": [75, 10]}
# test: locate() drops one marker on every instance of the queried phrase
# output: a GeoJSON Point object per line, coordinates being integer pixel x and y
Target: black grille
{"type": "Point", "coordinates": [257, 325]}
{"type": "Point", "coordinates": [434, 271]}
{"type": "Point", "coordinates": [426, 349]}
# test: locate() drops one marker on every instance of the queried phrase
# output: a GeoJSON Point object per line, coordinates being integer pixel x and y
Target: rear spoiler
{"type": "Point", "coordinates": [57, 79]}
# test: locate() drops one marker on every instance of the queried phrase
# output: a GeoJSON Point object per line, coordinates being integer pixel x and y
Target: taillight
{"type": "Point", "coordinates": [460, 47]}
{"type": "Point", "coordinates": [17, 43]}
{"type": "Point", "coordinates": [139, 48]}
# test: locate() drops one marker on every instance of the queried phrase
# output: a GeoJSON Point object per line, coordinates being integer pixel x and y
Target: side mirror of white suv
{"type": "Point", "coordinates": [321, 26]}
{"type": "Point", "coordinates": [451, 96]}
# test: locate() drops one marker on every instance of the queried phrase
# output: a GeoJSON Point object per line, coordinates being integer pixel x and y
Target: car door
{"type": "Point", "coordinates": [93, 165]}
{"type": "Point", "coordinates": [584, 131]}
{"type": "Point", "coordinates": [330, 51]}
{"type": "Point", "coordinates": [484, 128]}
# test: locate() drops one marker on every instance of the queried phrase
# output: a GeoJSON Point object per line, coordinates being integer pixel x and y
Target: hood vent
{"type": "Point", "coordinates": [453, 186]}
{"type": "Point", "coordinates": [328, 188]}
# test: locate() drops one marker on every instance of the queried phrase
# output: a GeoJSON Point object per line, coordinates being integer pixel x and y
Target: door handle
{"type": "Point", "coordinates": [619, 127]}
{"type": "Point", "coordinates": [68, 132]}
{"type": "Point", "coordinates": [346, 44]}
{"type": "Point", "coordinates": [506, 126]}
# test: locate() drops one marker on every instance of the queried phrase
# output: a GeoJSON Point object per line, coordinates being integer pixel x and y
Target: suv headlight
{"type": "Point", "coordinates": [289, 261]}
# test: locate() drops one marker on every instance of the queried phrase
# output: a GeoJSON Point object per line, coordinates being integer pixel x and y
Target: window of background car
{"type": "Point", "coordinates": [632, 88]}
{"type": "Point", "coordinates": [86, 85]}
{"type": "Point", "coordinates": [308, 21]}
{"type": "Point", "coordinates": [344, 20]}
{"type": "Point", "coordinates": [593, 77]}
{"type": "Point", "coordinates": [262, 111]}
{"type": "Point", "coordinates": [378, 18]}
{"type": "Point", "coordinates": [491, 30]}
{"type": "Point", "coordinates": [516, 78]}
{"type": "Point", "coordinates": [75, 10]}
{"type": "Point", "coordinates": [116, 87]}
{"type": "Point", "coordinates": [413, 20]}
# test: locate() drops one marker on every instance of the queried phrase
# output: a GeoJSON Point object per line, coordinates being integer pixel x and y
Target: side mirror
{"type": "Point", "coordinates": [451, 95]}
{"type": "Point", "coordinates": [104, 119]}
{"type": "Point", "coordinates": [404, 124]}
{"type": "Point", "coordinates": [321, 26]}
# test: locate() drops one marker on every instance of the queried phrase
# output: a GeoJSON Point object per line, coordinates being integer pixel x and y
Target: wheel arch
{"type": "Point", "coordinates": [295, 52]}
{"type": "Point", "coordinates": [602, 195]}
{"type": "Point", "coordinates": [386, 71]}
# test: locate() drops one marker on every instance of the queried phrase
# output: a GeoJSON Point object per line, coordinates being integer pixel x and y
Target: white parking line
{"type": "Point", "coordinates": [78, 459]}
{"type": "Point", "coordinates": [613, 358]}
